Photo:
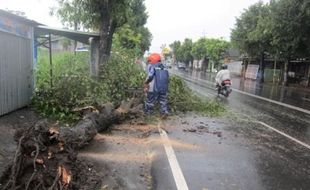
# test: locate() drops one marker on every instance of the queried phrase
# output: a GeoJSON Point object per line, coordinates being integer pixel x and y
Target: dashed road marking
{"type": "Point", "coordinates": [174, 164]}
{"type": "Point", "coordinates": [306, 99]}
{"type": "Point", "coordinates": [275, 102]}
{"type": "Point", "coordinates": [284, 134]}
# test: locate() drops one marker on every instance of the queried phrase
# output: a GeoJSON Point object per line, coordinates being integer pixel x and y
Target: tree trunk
{"type": "Point", "coordinates": [46, 155]}
{"type": "Point", "coordinates": [308, 76]}
{"type": "Point", "coordinates": [104, 35]}
{"type": "Point", "coordinates": [94, 122]}
{"type": "Point", "coordinates": [274, 70]}
{"type": "Point", "coordinates": [262, 67]}
{"type": "Point", "coordinates": [204, 66]}
{"type": "Point", "coordinates": [285, 71]}
{"type": "Point", "coordinates": [75, 42]}
{"type": "Point", "coordinates": [210, 65]}
{"type": "Point", "coordinates": [110, 40]}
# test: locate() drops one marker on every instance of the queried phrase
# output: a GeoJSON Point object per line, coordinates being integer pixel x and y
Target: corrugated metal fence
{"type": "Point", "coordinates": [16, 82]}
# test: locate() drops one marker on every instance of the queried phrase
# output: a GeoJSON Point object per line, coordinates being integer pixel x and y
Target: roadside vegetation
{"type": "Point", "coordinates": [183, 99]}
{"type": "Point", "coordinates": [210, 50]}
{"type": "Point", "coordinates": [278, 30]}
{"type": "Point", "coordinates": [121, 78]}
{"type": "Point", "coordinates": [71, 87]}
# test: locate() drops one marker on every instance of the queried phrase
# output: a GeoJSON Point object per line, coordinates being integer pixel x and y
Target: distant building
{"type": "Point", "coordinates": [232, 59]}
{"type": "Point", "coordinates": [65, 44]}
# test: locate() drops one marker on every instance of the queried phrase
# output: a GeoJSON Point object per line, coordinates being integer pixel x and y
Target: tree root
{"type": "Point", "coordinates": [46, 155]}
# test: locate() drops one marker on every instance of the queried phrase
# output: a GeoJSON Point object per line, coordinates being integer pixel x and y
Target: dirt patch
{"type": "Point", "coordinates": [194, 123]}
{"type": "Point", "coordinates": [22, 118]}
{"type": "Point", "coordinates": [122, 156]}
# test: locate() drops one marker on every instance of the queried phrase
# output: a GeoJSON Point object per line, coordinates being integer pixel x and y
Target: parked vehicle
{"type": "Point", "coordinates": [168, 64]}
{"type": "Point", "coordinates": [224, 88]}
{"type": "Point", "coordinates": [181, 65]}
{"type": "Point", "coordinates": [80, 49]}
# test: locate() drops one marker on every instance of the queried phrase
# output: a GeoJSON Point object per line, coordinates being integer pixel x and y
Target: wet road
{"type": "Point", "coordinates": [291, 121]}
{"type": "Point", "coordinates": [299, 97]}
{"type": "Point", "coordinates": [257, 145]}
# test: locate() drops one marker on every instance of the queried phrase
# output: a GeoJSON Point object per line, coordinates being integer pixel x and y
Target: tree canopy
{"type": "Point", "coordinates": [175, 46]}
{"type": "Point", "coordinates": [216, 48]}
{"type": "Point", "coordinates": [280, 28]}
{"type": "Point", "coordinates": [204, 48]}
{"type": "Point", "coordinates": [108, 17]}
{"type": "Point", "coordinates": [134, 35]}
{"type": "Point", "coordinates": [200, 50]}
{"type": "Point", "coordinates": [251, 32]}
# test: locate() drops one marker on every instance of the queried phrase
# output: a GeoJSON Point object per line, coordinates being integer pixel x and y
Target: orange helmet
{"type": "Point", "coordinates": [154, 58]}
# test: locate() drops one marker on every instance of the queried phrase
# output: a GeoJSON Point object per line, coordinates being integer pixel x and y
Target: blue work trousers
{"type": "Point", "coordinates": [151, 99]}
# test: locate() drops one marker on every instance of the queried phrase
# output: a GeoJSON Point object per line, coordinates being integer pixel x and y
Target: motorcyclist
{"type": "Point", "coordinates": [156, 85]}
{"type": "Point", "coordinates": [221, 76]}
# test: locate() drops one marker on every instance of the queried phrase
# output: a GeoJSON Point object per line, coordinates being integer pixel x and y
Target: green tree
{"type": "Point", "coordinates": [186, 52]}
{"type": "Point", "coordinates": [290, 35]}
{"type": "Point", "coordinates": [242, 35]}
{"type": "Point", "coordinates": [252, 33]}
{"type": "Point", "coordinates": [146, 39]}
{"type": "Point", "coordinates": [200, 52]}
{"type": "Point", "coordinates": [127, 38]}
{"type": "Point", "coordinates": [176, 46]}
{"type": "Point", "coordinates": [134, 35]}
{"type": "Point", "coordinates": [70, 15]}
{"type": "Point", "coordinates": [216, 49]}
{"type": "Point", "coordinates": [106, 16]}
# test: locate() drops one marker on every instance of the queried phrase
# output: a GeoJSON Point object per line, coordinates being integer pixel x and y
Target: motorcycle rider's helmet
{"type": "Point", "coordinates": [224, 67]}
{"type": "Point", "coordinates": [154, 58]}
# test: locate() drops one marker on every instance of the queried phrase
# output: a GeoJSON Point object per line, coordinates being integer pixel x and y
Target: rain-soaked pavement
{"type": "Point", "coordinates": [240, 151]}
{"type": "Point", "coordinates": [294, 96]}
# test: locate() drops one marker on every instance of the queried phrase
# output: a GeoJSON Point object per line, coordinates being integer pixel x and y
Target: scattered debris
{"type": "Point", "coordinates": [185, 122]}
{"type": "Point", "coordinates": [190, 130]}
{"type": "Point", "coordinates": [203, 129]}
{"type": "Point", "coordinates": [46, 155]}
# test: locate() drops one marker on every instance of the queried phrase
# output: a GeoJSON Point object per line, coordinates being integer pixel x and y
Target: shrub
{"type": "Point", "coordinates": [73, 87]}
{"type": "Point", "coordinates": [121, 74]}
{"type": "Point", "coordinates": [182, 99]}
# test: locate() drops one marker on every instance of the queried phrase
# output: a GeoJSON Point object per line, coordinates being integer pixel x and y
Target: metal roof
{"type": "Point", "coordinates": [19, 18]}
{"type": "Point", "coordinates": [42, 30]}
{"type": "Point", "coordinates": [71, 34]}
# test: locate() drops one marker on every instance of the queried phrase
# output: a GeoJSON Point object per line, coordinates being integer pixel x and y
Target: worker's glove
{"type": "Point", "coordinates": [146, 87]}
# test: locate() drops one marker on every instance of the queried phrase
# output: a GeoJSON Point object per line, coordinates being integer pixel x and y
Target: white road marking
{"type": "Point", "coordinates": [255, 96]}
{"type": "Point", "coordinates": [268, 126]}
{"type": "Point", "coordinates": [306, 99]}
{"type": "Point", "coordinates": [284, 134]}
{"type": "Point", "coordinates": [275, 102]}
{"type": "Point", "coordinates": [174, 165]}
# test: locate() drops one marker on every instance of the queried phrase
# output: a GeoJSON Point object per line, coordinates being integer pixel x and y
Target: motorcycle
{"type": "Point", "coordinates": [224, 88]}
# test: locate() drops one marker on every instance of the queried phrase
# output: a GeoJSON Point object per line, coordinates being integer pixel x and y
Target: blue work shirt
{"type": "Point", "coordinates": [158, 76]}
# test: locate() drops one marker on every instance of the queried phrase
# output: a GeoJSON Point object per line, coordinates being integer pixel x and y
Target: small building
{"type": "Point", "coordinates": [18, 53]}
{"type": "Point", "coordinates": [16, 61]}
{"type": "Point", "coordinates": [232, 59]}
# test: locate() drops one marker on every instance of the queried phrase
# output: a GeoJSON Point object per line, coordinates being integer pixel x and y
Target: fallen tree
{"type": "Point", "coordinates": [46, 155]}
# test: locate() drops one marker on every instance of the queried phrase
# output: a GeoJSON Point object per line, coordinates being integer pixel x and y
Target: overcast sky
{"type": "Point", "coordinates": [169, 20]}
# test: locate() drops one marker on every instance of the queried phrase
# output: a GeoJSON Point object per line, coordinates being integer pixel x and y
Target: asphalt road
{"type": "Point", "coordinates": [259, 144]}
